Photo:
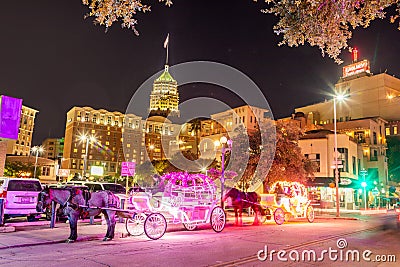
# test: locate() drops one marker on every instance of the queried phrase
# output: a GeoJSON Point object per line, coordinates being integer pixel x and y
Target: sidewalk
{"type": "Point", "coordinates": [25, 234]}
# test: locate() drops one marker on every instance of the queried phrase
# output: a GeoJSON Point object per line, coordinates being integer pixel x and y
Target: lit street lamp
{"type": "Point", "coordinates": [36, 150]}
{"type": "Point", "coordinates": [87, 139]}
{"type": "Point", "coordinates": [336, 98]}
{"type": "Point", "coordinates": [226, 145]}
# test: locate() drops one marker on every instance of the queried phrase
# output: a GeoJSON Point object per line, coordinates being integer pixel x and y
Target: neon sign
{"type": "Point", "coordinates": [356, 68]}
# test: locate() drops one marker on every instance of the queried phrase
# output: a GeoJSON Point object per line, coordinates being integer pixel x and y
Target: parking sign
{"type": "Point", "coordinates": [128, 168]}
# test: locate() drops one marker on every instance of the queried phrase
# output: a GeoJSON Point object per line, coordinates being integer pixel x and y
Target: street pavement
{"type": "Point", "coordinates": [22, 234]}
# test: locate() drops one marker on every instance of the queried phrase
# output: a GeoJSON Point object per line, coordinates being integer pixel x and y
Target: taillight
{"type": "Point", "coordinates": [3, 194]}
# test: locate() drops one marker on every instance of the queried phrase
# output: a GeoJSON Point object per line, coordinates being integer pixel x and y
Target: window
{"type": "Point", "coordinates": [373, 155]}
{"type": "Point", "coordinates": [359, 136]}
{"type": "Point", "coordinates": [394, 129]}
{"type": "Point", "coordinates": [374, 138]}
{"type": "Point", "coordinates": [387, 131]}
{"type": "Point", "coordinates": [315, 158]}
{"type": "Point", "coordinates": [94, 119]}
{"type": "Point", "coordinates": [87, 117]}
{"type": "Point", "coordinates": [45, 171]}
{"type": "Point", "coordinates": [354, 165]}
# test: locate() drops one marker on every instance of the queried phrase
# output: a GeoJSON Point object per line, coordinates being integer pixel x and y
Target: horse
{"type": "Point", "coordinates": [242, 200]}
{"type": "Point", "coordinates": [79, 202]}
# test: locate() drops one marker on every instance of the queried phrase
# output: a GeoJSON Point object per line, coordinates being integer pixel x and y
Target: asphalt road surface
{"type": "Point", "coordinates": [235, 246]}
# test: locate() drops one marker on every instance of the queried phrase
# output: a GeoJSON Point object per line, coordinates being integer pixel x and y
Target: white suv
{"type": "Point", "coordinates": [20, 197]}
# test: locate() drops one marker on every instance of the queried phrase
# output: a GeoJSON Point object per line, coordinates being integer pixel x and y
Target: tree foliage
{"type": "Point", "coordinates": [106, 12]}
{"type": "Point", "coordinates": [20, 169]}
{"type": "Point", "coordinates": [289, 163]}
{"type": "Point", "coordinates": [327, 24]}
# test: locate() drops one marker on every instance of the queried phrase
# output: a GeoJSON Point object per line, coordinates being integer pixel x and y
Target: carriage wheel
{"type": "Point", "coordinates": [155, 226]}
{"type": "Point", "coordinates": [279, 216]}
{"type": "Point", "coordinates": [218, 219]}
{"type": "Point", "coordinates": [190, 226]}
{"type": "Point", "coordinates": [135, 225]}
{"type": "Point", "coordinates": [310, 213]}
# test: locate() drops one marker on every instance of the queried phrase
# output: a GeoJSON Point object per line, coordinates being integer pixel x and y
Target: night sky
{"type": "Point", "coordinates": [54, 59]}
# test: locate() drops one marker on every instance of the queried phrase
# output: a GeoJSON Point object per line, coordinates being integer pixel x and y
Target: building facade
{"type": "Point", "coordinates": [318, 146]}
{"type": "Point", "coordinates": [53, 148]}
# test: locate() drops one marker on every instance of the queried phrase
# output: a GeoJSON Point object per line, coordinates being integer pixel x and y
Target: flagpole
{"type": "Point", "coordinates": [166, 61]}
{"type": "Point", "coordinates": [166, 44]}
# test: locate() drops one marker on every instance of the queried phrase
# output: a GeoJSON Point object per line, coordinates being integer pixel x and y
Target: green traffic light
{"type": "Point", "coordinates": [363, 184]}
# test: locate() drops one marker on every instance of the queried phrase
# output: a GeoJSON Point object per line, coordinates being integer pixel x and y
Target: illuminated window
{"type": "Point", "coordinates": [107, 143]}
{"type": "Point", "coordinates": [128, 145]}
{"type": "Point", "coordinates": [394, 129]}
{"type": "Point", "coordinates": [93, 131]}
{"type": "Point", "coordinates": [387, 131]}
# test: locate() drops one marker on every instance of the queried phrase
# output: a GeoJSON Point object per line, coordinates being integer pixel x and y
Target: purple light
{"type": "Point", "coordinates": [10, 114]}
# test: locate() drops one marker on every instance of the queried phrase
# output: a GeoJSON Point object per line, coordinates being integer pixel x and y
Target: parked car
{"type": "Point", "coordinates": [20, 197]}
{"type": "Point", "coordinates": [117, 189]}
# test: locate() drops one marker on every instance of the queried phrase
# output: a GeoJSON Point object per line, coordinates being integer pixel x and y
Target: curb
{"type": "Point", "coordinates": [337, 218]}
{"type": "Point", "coordinates": [7, 229]}
{"type": "Point", "coordinates": [80, 239]}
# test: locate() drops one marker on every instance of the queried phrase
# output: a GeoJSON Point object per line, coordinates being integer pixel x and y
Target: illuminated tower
{"type": "Point", "coordinates": [164, 98]}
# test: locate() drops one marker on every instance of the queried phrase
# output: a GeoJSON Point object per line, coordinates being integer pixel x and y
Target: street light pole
{"type": "Point", "coordinates": [85, 159]}
{"type": "Point", "coordinates": [224, 141]}
{"type": "Point", "coordinates": [87, 139]}
{"type": "Point", "coordinates": [36, 150]}
{"type": "Point", "coordinates": [336, 161]}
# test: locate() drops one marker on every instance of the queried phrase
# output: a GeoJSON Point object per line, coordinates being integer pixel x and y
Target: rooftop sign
{"type": "Point", "coordinates": [356, 68]}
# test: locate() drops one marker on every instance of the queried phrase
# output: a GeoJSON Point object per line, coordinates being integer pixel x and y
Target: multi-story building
{"type": "Point", "coordinates": [53, 148]}
{"type": "Point", "coordinates": [104, 146]}
{"type": "Point", "coordinates": [22, 146]}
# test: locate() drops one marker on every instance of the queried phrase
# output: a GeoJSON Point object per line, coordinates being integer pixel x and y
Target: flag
{"type": "Point", "coordinates": [166, 41]}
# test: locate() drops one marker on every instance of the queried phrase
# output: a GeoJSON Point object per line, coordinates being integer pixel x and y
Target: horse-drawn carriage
{"type": "Point", "coordinates": [189, 199]}
{"type": "Point", "coordinates": [286, 200]}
